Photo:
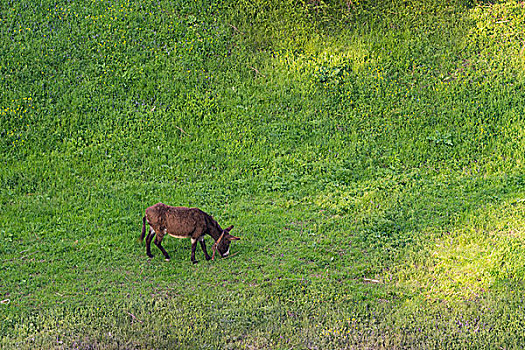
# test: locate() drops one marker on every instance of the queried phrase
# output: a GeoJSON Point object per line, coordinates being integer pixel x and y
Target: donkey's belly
{"type": "Point", "coordinates": [177, 235]}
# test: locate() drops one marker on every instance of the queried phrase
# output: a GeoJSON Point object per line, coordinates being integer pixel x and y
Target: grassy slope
{"type": "Point", "coordinates": [377, 143]}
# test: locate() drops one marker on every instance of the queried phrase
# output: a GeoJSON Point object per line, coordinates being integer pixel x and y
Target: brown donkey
{"type": "Point", "coordinates": [182, 222]}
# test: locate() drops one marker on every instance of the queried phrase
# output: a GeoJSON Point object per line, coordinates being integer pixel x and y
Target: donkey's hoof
{"type": "Point", "coordinates": [194, 261]}
{"type": "Point", "coordinates": [167, 259]}
{"type": "Point", "coordinates": [150, 256]}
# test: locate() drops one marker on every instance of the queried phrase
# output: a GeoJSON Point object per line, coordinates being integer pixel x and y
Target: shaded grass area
{"type": "Point", "coordinates": [371, 163]}
{"type": "Point", "coordinates": [250, 320]}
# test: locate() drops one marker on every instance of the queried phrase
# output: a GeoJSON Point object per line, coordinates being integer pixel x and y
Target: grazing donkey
{"type": "Point", "coordinates": [184, 222]}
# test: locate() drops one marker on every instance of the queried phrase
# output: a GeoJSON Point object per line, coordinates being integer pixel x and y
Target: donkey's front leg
{"type": "Point", "coordinates": [203, 246]}
{"type": "Point", "coordinates": [193, 247]}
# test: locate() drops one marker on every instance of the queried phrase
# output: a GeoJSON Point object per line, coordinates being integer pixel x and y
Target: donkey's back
{"type": "Point", "coordinates": [179, 222]}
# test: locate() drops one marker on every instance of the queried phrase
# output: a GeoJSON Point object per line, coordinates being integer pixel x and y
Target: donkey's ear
{"type": "Point", "coordinates": [228, 229]}
{"type": "Point", "coordinates": [232, 238]}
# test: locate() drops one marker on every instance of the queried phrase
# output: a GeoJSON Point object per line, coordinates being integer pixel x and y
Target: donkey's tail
{"type": "Point", "coordinates": [141, 238]}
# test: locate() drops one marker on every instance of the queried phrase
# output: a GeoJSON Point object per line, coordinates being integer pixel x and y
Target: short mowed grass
{"type": "Point", "coordinates": [370, 155]}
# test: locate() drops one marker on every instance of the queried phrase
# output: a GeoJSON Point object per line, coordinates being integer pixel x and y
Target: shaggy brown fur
{"type": "Point", "coordinates": [182, 222]}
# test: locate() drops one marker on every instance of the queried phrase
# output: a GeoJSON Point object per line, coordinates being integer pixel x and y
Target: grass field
{"type": "Point", "coordinates": [370, 154]}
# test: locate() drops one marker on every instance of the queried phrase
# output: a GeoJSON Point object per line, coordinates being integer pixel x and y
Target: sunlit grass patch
{"type": "Point", "coordinates": [481, 251]}
{"type": "Point", "coordinates": [497, 36]}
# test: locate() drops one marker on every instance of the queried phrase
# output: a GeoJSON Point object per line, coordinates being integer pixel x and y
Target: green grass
{"type": "Point", "coordinates": [369, 155]}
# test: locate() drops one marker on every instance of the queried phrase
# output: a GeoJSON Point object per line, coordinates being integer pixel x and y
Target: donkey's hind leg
{"type": "Point", "coordinates": [149, 237]}
{"type": "Point", "coordinates": [158, 241]}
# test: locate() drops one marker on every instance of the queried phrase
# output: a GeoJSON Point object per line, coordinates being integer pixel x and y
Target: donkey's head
{"type": "Point", "coordinates": [223, 243]}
